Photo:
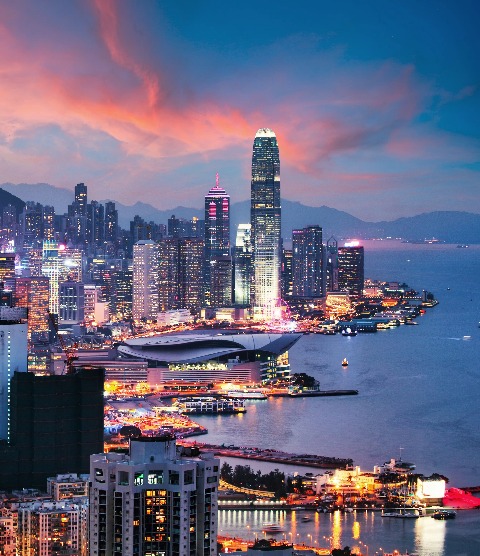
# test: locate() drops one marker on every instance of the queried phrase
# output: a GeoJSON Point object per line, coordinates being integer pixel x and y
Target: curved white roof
{"type": "Point", "coordinates": [194, 348]}
{"type": "Point", "coordinates": [265, 132]}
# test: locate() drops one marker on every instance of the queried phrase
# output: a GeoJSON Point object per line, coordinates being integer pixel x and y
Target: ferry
{"type": "Point", "coordinates": [273, 528]}
{"type": "Point", "coordinates": [444, 514]}
{"type": "Point", "coordinates": [210, 406]}
{"type": "Point", "coordinates": [345, 362]}
{"type": "Point", "coordinates": [247, 394]}
{"type": "Point", "coordinates": [349, 332]}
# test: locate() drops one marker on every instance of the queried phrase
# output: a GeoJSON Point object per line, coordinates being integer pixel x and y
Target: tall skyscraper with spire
{"type": "Point", "coordinates": [266, 222]}
{"type": "Point", "coordinates": [218, 260]}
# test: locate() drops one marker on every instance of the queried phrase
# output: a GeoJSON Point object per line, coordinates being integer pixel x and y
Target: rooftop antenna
{"type": "Point", "coordinates": [217, 180]}
{"type": "Point", "coordinates": [401, 448]}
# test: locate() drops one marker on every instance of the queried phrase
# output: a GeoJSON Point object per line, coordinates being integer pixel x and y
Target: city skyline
{"type": "Point", "coordinates": [375, 107]}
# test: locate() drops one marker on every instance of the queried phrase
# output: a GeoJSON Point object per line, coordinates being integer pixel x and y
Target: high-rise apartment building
{"type": "Point", "coordinates": [191, 261]}
{"type": "Point", "coordinates": [7, 271]}
{"type": "Point", "coordinates": [111, 222]}
{"type": "Point", "coordinates": [34, 294]}
{"type": "Point", "coordinates": [266, 221]}
{"type": "Point", "coordinates": [145, 280]}
{"type": "Point", "coordinates": [153, 501]}
{"type": "Point", "coordinates": [180, 274]}
{"type": "Point", "coordinates": [351, 273]}
{"type": "Point", "coordinates": [52, 528]}
{"type": "Point", "coordinates": [308, 276]}
{"type": "Point", "coordinates": [242, 261]}
{"type": "Point", "coordinates": [218, 264]}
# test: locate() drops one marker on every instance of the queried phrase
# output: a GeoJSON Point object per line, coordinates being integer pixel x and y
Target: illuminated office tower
{"type": "Point", "coordinates": [34, 294]}
{"type": "Point", "coordinates": [308, 262]}
{"type": "Point", "coordinates": [351, 268]}
{"type": "Point", "coordinates": [7, 271]}
{"type": "Point", "coordinates": [60, 264]}
{"type": "Point", "coordinates": [287, 273]}
{"type": "Point", "coordinates": [145, 280]}
{"type": "Point", "coordinates": [180, 272]}
{"type": "Point", "coordinates": [191, 260]}
{"type": "Point", "coordinates": [71, 301]}
{"type": "Point", "coordinates": [52, 528]}
{"type": "Point", "coordinates": [8, 531]}
{"type": "Point", "coordinates": [13, 357]}
{"type": "Point", "coordinates": [242, 260]}
{"type": "Point", "coordinates": [153, 501]}
{"type": "Point", "coordinates": [218, 264]}
{"type": "Point", "coordinates": [266, 222]}
{"type": "Point", "coordinates": [331, 265]}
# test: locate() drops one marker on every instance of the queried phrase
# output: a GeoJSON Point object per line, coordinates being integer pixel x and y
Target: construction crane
{"type": "Point", "coordinates": [69, 351]}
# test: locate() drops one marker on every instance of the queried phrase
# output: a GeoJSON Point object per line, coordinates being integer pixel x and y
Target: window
{"type": "Point", "coordinates": [155, 477]}
{"type": "Point", "coordinates": [173, 477]}
{"type": "Point", "coordinates": [188, 477]}
{"type": "Point", "coordinates": [123, 478]}
{"type": "Point", "coordinates": [138, 480]}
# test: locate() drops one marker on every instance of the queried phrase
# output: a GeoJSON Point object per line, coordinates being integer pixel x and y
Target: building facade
{"type": "Point", "coordinates": [266, 222]}
{"type": "Point", "coordinates": [308, 275]}
{"type": "Point", "coordinates": [153, 501]}
{"type": "Point", "coordinates": [242, 260]}
{"type": "Point", "coordinates": [145, 280]}
{"type": "Point", "coordinates": [218, 262]}
{"type": "Point", "coordinates": [351, 273]}
{"type": "Point", "coordinates": [13, 359]}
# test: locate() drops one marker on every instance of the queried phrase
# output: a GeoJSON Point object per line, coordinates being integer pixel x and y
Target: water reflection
{"type": "Point", "coordinates": [430, 536]}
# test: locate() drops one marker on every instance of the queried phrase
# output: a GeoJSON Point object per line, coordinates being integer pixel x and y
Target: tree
{"type": "Point", "coordinates": [130, 431]}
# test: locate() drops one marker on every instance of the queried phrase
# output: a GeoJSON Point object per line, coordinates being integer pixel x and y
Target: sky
{"type": "Point", "coordinates": [376, 104]}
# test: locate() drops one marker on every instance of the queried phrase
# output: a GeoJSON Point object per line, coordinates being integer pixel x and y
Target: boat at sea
{"type": "Point", "coordinates": [210, 405]}
{"type": "Point", "coordinates": [401, 515]}
{"type": "Point", "coordinates": [444, 514]}
{"type": "Point", "coordinates": [247, 394]}
{"type": "Point", "coordinates": [306, 392]}
{"type": "Point", "coordinates": [272, 528]}
{"type": "Point", "coordinates": [305, 518]}
{"type": "Point", "coordinates": [344, 363]}
{"type": "Point", "coordinates": [349, 331]}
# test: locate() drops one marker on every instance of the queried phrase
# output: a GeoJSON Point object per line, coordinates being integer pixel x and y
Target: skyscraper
{"type": "Point", "coordinates": [218, 263]}
{"type": "Point", "coordinates": [145, 280]}
{"type": "Point", "coordinates": [351, 269]}
{"type": "Point", "coordinates": [13, 357]}
{"type": "Point", "coordinates": [308, 276]}
{"type": "Point", "coordinates": [266, 221]}
{"type": "Point", "coordinates": [34, 293]}
{"type": "Point", "coordinates": [242, 256]}
{"type": "Point", "coordinates": [153, 501]}
{"type": "Point", "coordinates": [56, 422]}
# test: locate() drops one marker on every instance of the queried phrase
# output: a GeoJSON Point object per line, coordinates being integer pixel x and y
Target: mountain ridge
{"type": "Point", "coordinates": [448, 226]}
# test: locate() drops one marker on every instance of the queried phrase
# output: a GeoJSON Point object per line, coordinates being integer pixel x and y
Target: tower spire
{"type": "Point", "coordinates": [217, 180]}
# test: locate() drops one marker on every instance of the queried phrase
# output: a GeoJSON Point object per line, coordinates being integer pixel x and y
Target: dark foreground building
{"type": "Point", "coordinates": [56, 423]}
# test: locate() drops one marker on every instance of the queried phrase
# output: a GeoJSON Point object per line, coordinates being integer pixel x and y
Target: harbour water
{"type": "Point", "coordinates": [419, 392]}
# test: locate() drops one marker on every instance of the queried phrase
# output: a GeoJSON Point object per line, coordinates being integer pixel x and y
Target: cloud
{"type": "Point", "coordinates": [104, 97]}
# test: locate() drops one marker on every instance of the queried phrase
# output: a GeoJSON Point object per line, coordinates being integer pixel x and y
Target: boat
{"type": "Point", "coordinates": [305, 518]}
{"type": "Point", "coordinates": [210, 405]}
{"type": "Point", "coordinates": [444, 514]}
{"type": "Point", "coordinates": [349, 332]}
{"type": "Point", "coordinates": [344, 363]}
{"type": "Point", "coordinates": [247, 394]}
{"type": "Point", "coordinates": [272, 528]}
{"type": "Point", "coordinates": [411, 322]}
{"type": "Point", "coordinates": [401, 515]}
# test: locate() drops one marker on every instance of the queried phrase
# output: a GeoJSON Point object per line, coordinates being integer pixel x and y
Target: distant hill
{"type": "Point", "coordinates": [448, 226]}
{"type": "Point", "coordinates": [7, 198]}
